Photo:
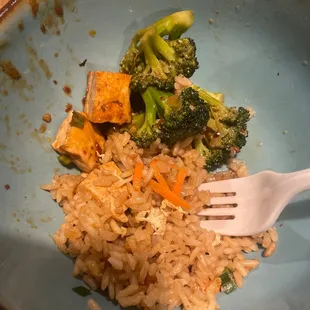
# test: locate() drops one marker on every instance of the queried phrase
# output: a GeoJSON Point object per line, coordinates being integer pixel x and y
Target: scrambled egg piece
{"type": "Point", "coordinates": [79, 141]}
{"type": "Point", "coordinates": [108, 97]}
{"type": "Point", "coordinates": [156, 217]}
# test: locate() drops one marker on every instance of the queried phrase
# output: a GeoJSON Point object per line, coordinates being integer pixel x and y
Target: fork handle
{"type": "Point", "coordinates": [296, 182]}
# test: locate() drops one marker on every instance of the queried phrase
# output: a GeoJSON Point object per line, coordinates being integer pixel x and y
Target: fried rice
{"type": "Point", "coordinates": [140, 248]}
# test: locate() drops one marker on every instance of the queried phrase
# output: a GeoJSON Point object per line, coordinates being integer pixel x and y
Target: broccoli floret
{"type": "Point", "coordinates": [144, 136]}
{"type": "Point", "coordinates": [226, 129]}
{"type": "Point", "coordinates": [233, 137]}
{"type": "Point", "coordinates": [181, 116]}
{"type": "Point", "coordinates": [221, 114]}
{"type": "Point", "coordinates": [228, 124]}
{"type": "Point", "coordinates": [214, 158]}
{"type": "Point", "coordinates": [154, 61]}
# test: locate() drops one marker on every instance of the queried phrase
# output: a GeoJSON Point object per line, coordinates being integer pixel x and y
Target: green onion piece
{"type": "Point", "coordinates": [228, 282]}
{"type": "Point", "coordinates": [64, 160]}
{"type": "Point", "coordinates": [81, 290]}
{"type": "Point", "coordinates": [77, 120]}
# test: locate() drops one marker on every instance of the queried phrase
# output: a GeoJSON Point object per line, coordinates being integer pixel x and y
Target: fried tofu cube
{"type": "Point", "coordinates": [79, 140]}
{"type": "Point", "coordinates": [102, 193]}
{"type": "Point", "coordinates": [93, 185]}
{"type": "Point", "coordinates": [108, 97]}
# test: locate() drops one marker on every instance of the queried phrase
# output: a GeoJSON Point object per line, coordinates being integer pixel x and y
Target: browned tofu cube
{"type": "Point", "coordinates": [78, 139]}
{"type": "Point", "coordinates": [104, 194]}
{"type": "Point", "coordinates": [108, 97]}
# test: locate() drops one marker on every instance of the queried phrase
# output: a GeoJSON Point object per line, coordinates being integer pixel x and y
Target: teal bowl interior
{"type": "Point", "coordinates": [256, 52]}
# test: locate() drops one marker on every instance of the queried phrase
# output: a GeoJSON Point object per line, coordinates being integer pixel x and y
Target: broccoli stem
{"type": "Point", "coordinates": [201, 148]}
{"type": "Point", "coordinates": [206, 96]}
{"type": "Point", "coordinates": [150, 58]}
{"type": "Point", "coordinates": [163, 48]}
{"type": "Point", "coordinates": [150, 108]}
{"type": "Point", "coordinates": [171, 100]}
{"type": "Point", "coordinates": [175, 24]}
{"type": "Point", "coordinates": [177, 32]}
{"type": "Point", "coordinates": [160, 98]}
{"type": "Point", "coordinates": [214, 105]}
{"type": "Point", "coordinates": [138, 120]}
{"type": "Point", "coordinates": [145, 135]}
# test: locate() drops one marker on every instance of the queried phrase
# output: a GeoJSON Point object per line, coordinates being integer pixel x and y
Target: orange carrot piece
{"type": "Point", "coordinates": [169, 195]}
{"type": "Point", "coordinates": [161, 180]}
{"type": "Point", "coordinates": [177, 188]}
{"type": "Point", "coordinates": [137, 176]}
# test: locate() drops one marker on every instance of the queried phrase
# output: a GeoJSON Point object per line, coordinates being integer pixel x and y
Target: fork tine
{"type": "Point", "coordinates": [223, 227]}
{"type": "Point", "coordinates": [228, 200]}
{"type": "Point", "coordinates": [219, 186]}
{"type": "Point", "coordinates": [218, 212]}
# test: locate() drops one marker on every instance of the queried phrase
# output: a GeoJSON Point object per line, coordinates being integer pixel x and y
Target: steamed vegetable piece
{"type": "Point", "coordinates": [137, 176]}
{"type": "Point", "coordinates": [228, 282]}
{"type": "Point", "coordinates": [154, 61]}
{"type": "Point", "coordinates": [78, 120]}
{"type": "Point", "coordinates": [166, 193]}
{"type": "Point", "coordinates": [77, 141]}
{"type": "Point", "coordinates": [137, 121]}
{"type": "Point", "coordinates": [64, 160]}
{"type": "Point", "coordinates": [226, 130]}
{"type": "Point", "coordinates": [230, 123]}
{"type": "Point", "coordinates": [187, 118]}
{"type": "Point", "coordinates": [213, 157]}
{"type": "Point", "coordinates": [81, 290]}
{"type": "Point", "coordinates": [108, 97]}
{"type": "Point", "coordinates": [145, 135]}
{"type": "Point", "coordinates": [170, 117]}
{"type": "Point", "coordinates": [160, 179]}
{"type": "Point", "coordinates": [177, 188]}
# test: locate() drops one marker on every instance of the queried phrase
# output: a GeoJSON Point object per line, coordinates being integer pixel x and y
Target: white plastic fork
{"type": "Point", "coordinates": [258, 201]}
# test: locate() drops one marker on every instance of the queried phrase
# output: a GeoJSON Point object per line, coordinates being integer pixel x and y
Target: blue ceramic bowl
{"type": "Point", "coordinates": [256, 52]}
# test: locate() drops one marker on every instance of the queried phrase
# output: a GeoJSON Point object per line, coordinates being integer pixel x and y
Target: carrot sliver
{"type": "Point", "coordinates": [137, 176]}
{"type": "Point", "coordinates": [177, 188]}
{"type": "Point", "coordinates": [160, 179]}
{"type": "Point", "coordinates": [169, 195]}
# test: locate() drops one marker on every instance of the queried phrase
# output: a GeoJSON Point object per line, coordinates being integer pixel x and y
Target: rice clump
{"type": "Point", "coordinates": [142, 249]}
